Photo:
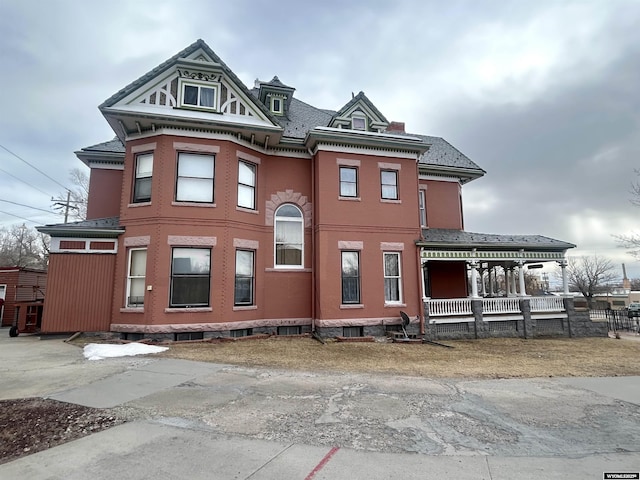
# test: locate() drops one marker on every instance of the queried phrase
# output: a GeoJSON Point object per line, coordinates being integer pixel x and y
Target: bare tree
{"type": "Point", "coordinates": [21, 246]}
{"type": "Point", "coordinates": [631, 241]}
{"type": "Point", "coordinates": [590, 275]}
{"type": "Point", "coordinates": [73, 202]}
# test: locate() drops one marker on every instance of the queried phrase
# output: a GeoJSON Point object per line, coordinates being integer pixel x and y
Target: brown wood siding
{"type": "Point", "coordinates": [22, 285]}
{"type": "Point", "coordinates": [80, 293]}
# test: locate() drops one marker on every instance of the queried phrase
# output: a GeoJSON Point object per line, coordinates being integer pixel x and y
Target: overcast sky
{"type": "Point", "coordinates": [543, 95]}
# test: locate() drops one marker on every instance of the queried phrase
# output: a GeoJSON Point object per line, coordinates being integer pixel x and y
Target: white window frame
{"type": "Point", "coordinates": [254, 168]}
{"type": "Point", "coordinates": [137, 177]}
{"type": "Point", "coordinates": [359, 116]}
{"type": "Point", "coordinates": [131, 277]}
{"type": "Point", "coordinates": [300, 221]}
{"type": "Point", "coordinates": [199, 84]}
{"type": "Point", "coordinates": [279, 111]}
{"type": "Point", "coordinates": [395, 172]}
{"type": "Point", "coordinates": [398, 277]}
{"type": "Point", "coordinates": [422, 205]}
{"type": "Point", "coordinates": [212, 178]}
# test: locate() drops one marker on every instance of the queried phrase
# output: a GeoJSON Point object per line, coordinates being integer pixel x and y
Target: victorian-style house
{"type": "Point", "coordinates": [223, 210]}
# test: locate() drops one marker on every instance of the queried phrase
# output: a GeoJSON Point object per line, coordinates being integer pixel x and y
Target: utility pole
{"type": "Point", "coordinates": [22, 229]}
{"type": "Point", "coordinates": [66, 204]}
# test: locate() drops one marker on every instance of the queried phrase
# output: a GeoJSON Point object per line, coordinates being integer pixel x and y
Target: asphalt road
{"type": "Point", "coordinates": [197, 420]}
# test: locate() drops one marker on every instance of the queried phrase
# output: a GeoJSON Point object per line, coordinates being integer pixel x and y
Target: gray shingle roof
{"type": "Point", "coordinates": [442, 153]}
{"type": "Point", "coordinates": [98, 227]}
{"type": "Point", "coordinates": [110, 146]}
{"type": "Point", "coordinates": [460, 238]}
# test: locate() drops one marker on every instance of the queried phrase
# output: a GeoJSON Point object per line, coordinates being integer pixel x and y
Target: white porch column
{"type": "Point", "coordinates": [424, 287]}
{"type": "Point", "coordinates": [523, 290]}
{"type": "Point", "coordinates": [484, 288]}
{"type": "Point", "coordinates": [492, 281]}
{"type": "Point", "coordinates": [474, 279]}
{"type": "Point", "coordinates": [513, 280]}
{"type": "Point", "coordinates": [507, 281]}
{"type": "Point", "coordinates": [565, 281]}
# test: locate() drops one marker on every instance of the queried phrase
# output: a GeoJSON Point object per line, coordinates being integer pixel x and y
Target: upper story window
{"type": "Point", "coordinates": [246, 185]}
{"type": "Point", "coordinates": [348, 182]}
{"type": "Point", "coordinates": [199, 95]}
{"type": "Point", "coordinates": [142, 178]}
{"type": "Point", "coordinates": [358, 122]}
{"type": "Point", "coordinates": [422, 201]}
{"type": "Point", "coordinates": [389, 184]}
{"type": "Point", "coordinates": [195, 178]}
{"type": "Point", "coordinates": [277, 105]}
{"type": "Point", "coordinates": [289, 236]}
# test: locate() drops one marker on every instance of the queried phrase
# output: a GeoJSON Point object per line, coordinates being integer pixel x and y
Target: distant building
{"type": "Point", "coordinates": [19, 284]}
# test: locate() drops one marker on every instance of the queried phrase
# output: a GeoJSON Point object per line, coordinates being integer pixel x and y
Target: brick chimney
{"type": "Point", "coordinates": [395, 127]}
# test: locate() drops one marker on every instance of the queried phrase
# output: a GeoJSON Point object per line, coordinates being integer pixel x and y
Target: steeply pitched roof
{"type": "Point", "coordinates": [170, 62]}
{"type": "Point", "coordinates": [360, 97]}
{"type": "Point", "coordinates": [444, 237]}
{"type": "Point", "coordinates": [442, 153]}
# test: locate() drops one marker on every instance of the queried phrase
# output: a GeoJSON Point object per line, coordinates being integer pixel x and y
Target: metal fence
{"type": "Point", "coordinates": [616, 319]}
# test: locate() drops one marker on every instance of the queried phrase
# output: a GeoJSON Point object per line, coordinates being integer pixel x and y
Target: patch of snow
{"type": "Point", "coordinates": [100, 351]}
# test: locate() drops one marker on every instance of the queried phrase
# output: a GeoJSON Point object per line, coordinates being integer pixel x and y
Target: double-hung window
{"type": "Point", "coordinates": [246, 185]}
{"type": "Point", "coordinates": [422, 200]}
{"type": "Point", "coordinates": [392, 278]}
{"type": "Point", "coordinates": [289, 236]}
{"type": "Point", "coordinates": [195, 178]}
{"type": "Point", "coordinates": [190, 277]}
{"type": "Point", "coordinates": [245, 278]}
{"type": "Point", "coordinates": [350, 277]}
{"type": "Point", "coordinates": [389, 184]}
{"type": "Point", "coordinates": [142, 178]}
{"type": "Point", "coordinates": [136, 277]}
{"type": "Point", "coordinates": [348, 182]}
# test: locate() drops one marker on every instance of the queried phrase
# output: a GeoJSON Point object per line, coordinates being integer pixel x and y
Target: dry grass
{"type": "Point", "coordinates": [490, 358]}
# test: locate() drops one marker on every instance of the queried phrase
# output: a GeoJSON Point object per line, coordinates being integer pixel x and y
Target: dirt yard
{"type": "Point", "coordinates": [489, 358]}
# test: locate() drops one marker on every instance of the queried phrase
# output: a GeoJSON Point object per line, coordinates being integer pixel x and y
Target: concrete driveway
{"type": "Point", "coordinates": [197, 420]}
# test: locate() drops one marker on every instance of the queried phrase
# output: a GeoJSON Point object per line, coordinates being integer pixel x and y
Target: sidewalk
{"type": "Point", "coordinates": [198, 420]}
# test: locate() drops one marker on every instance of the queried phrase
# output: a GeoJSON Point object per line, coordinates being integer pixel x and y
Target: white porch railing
{"type": "Point", "coordinates": [452, 307]}
{"type": "Point", "coordinates": [547, 304]}
{"type": "Point", "coordinates": [449, 307]}
{"type": "Point", "coordinates": [500, 305]}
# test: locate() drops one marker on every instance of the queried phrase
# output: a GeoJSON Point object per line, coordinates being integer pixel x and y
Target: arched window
{"type": "Point", "coordinates": [289, 236]}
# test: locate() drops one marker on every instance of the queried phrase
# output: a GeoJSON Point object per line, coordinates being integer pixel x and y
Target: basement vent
{"type": "Point", "coordinates": [188, 336]}
{"type": "Point", "coordinates": [462, 327]}
{"type": "Point", "coordinates": [290, 330]}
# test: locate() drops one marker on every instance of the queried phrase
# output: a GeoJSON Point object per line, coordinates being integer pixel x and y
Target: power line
{"type": "Point", "coordinates": [28, 184]}
{"type": "Point", "coordinates": [32, 166]}
{"type": "Point", "coordinates": [28, 206]}
{"type": "Point", "coordinates": [18, 216]}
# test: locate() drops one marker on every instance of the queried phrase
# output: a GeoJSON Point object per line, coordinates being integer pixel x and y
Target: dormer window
{"type": "Point", "coordinates": [358, 122]}
{"type": "Point", "coordinates": [199, 95]}
{"type": "Point", "coordinates": [276, 105]}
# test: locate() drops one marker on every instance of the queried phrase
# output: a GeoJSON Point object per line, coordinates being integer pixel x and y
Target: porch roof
{"type": "Point", "coordinates": [99, 227]}
{"type": "Point", "coordinates": [450, 244]}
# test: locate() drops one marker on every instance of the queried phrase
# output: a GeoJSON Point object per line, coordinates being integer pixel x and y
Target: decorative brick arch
{"type": "Point", "coordinates": [288, 196]}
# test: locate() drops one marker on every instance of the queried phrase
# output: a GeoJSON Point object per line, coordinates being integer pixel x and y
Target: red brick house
{"type": "Point", "coordinates": [19, 284]}
{"type": "Point", "coordinates": [223, 210]}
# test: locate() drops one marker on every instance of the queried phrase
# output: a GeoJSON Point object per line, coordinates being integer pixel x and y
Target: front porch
{"type": "Point", "coordinates": [491, 270]}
